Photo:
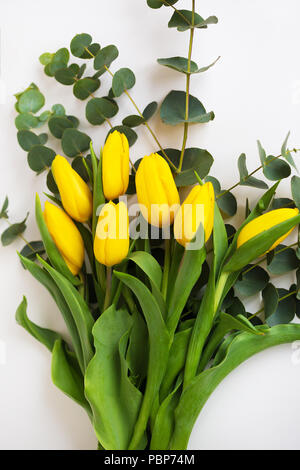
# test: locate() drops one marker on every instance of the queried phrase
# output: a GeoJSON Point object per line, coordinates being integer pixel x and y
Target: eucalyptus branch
{"type": "Point", "coordinates": [279, 300]}
{"type": "Point", "coordinates": [22, 237]}
{"type": "Point", "coordinates": [265, 258]}
{"type": "Point", "coordinates": [253, 172]}
{"type": "Point", "coordinates": [187, 93]}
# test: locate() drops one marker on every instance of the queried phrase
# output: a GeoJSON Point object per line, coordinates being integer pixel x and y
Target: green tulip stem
{"type": "Point", "coordinates": [164, 288]}
{"type": "Point", "coordinates": [187, 94]}
{"type": "Point", "coordinates": [108, 289]}
{"type": "Point", "coordinates": [220, 289]}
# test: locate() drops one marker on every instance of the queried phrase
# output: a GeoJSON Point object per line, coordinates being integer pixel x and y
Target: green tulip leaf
{"type": "Point", "coordinates": [100, 109]}
{"type": "Point", "coordinates": [85, 87]}
{"type": "Point", "coordinates": [123, 80]}
{"type": "Point", "coordinates": [172, 110]}
{"type": "Point", "coordinates": [40, 158]}
{"type": "Point", "coordinates": [74, 142]}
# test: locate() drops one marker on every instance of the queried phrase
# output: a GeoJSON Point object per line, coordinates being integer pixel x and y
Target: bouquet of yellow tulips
{"type": "Point", "coordinates": [151, 291]}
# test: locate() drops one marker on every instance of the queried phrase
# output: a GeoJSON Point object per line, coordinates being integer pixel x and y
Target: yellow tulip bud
{"type": "Point", "coordinates": [197, 208]}
{"type": "Point", "coordinates": [66, 236]}
{"type": "Point", "coordinates": [115, 165]}
{"type": "Point", "coordinates": [265, 222]}
{"type": "Point", "coordinates": [75, 194]}
{"type": "Point", "coordinates": [111, 242]}
{"type": "Point", "coordinates": [156, 191]}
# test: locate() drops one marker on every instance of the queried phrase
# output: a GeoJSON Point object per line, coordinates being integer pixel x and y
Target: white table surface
{"type": "Point", "coordinates": [255, 93]}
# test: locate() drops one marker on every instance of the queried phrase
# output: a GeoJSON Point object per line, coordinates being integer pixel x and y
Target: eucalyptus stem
{"type": "Point", "coordinates": [177, 11]}
{"type": "Point", "coordinates": [187, 93]}
{"type": "Point", "coordinates": [253, 172]}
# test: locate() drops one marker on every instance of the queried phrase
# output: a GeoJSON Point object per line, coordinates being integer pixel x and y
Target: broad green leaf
{"type": "Point", "coordinates": [150, 110]}
{"type": "Point", "coordinates": [74, 142]}
{"type": "Point", "coordinates": [194, 159]}
{"type": "Point", "coordinates": [58, 110]}
{"type": "Point", "coordinates": [123, 80]}
{"type": "Point", "coordinates": [60, 61]}
{"type": "Point", "coordinates": [158, 351]}
{"type": "Point", "coordinates": [183, 20]}
{"type": "Point", "coordinates": [252, 281]}
{"type": "Point", "coordinates": [26, 121]}
{"type": "Point", "coordinates": [43, 335]}
{"type": "Point", "coordinates": [80, 311]}
{"type": "Point", "coordinates": [160, 3]}
{"type": "Point", "coordinates": [105, 57]}
{"type": "Point", "coordinates": [285, 310]}
{"type": "Point", "coordinates": [45, 279]}
{"type": "Point", "coordinates": [245, 179]}
{"type": "Point", "coordinates": [40, 158]}
{"type": "Point", "coordinates": [67, 75]}
{"type": "Point", "coordinates": [227, 204]}
{"type": "Point", "coordinates": [32, 249]}
{"type": "Point", "coordinates": [180, 64]}
{"type": "Point", "coordinates": [114, 399]}
{"type": "Point", "coordinates": [51, 184]}
{"type": "Point", "coordinates": [31, 101]}
{"type": "Point", "coordinates": [282, 260]}
{"type": "Point", "coordinates": [194, 397]}
{"type": "Point", "coordinates": [12, 232]}
{"type": "Point", "coordinates": [27, 139]}
{"type": "Point", "coordinates": [276, 169]}
{"type": "Point", "coordinates": [98, 109]}
{"type": "Point", "coordinates": [85, 87]}
{"type": "Point", "coordinates": [133, 121]}
{"type": "Point", "coordinates": [79, 44]}
{"type": "Point", "coordinates": [58, 124]}
{"type": "Point", "coordinates": [46, 58]}
{"type": "Point", "coordinates": [130, 133]}
{"type": "Point", "coordinates": [149, 265]}
{"type": "Point", "coordinates": [66, 374]}
{"type": "Point", "coordinates": [270, 299]}
{"type": "Point", "coordinates": [281, 202]}
{"type": "Point", "coordinates": [138, 347]}
{"type": "Point", "coordinates": [172, 110]}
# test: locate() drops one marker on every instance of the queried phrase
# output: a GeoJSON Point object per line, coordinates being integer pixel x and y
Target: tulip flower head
{"type": "Point", "coordinates": [111, 242]}
{"type": "Point", "coordinates": [198, 208]}
{"type": "Point", "coordinates": [156, 191]}
{"type": "Point", "coordinates": [115, 165]}
{"type": "Point", "coordinates": [265, 222]}
{"type": "Point", "coordinates": [75, 194]}
{"type": "Point", "coordinates": [66, 236]}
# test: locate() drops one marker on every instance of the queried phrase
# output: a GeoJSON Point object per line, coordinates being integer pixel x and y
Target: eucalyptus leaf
{"type": "Point", "coordinates": [285, 310]}
{"type": "Point", "coordinates": [58, 124]}
{"type": "Point", "coordinates": [3, 212]}
{"type": "Point", "coordinates": [26, 121]}
{"type": "Point", "coordinates": [150, 110]}
{"type": "Point", "coordinates": [12, 232]}
{"type": "Point", "coordinates": [31, 101]}
{"type": "Point", "coordinates": [172, 110]}
{"type": "Point", "coordinates": [27, 139]}
{"type": "Point", "coordinates": [252, 281]}
{"type": "Point", "coordinates": [276, 169]}
{"type": "Point", "coordinates": [85, 87]}
{"type": "Point", "coordinates": [283, 261]}
{"type": "Point", "coordinates": [32, 249]}
{"type": "Point", "coordinates": [130, 133]}
{"type": "Point", "coordinates": [133, 121]}
{"type": "Point", "coordinates": [245, 179]}
{"type": "Point", "coordinates": [105, 57]}
{"type": "Point", "coordinates": [98, 109]}
{"type": "Point", "coordinates": [40, 158]}
{"type": "Point", "coordinates": [74, 142]}
{"type": "Point", "coordinates": [123, 80]}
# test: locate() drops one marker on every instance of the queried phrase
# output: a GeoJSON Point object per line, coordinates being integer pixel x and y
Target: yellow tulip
{"type": "Point", "coordinates": [111, 242]}
{"type": "Point", "coordinates": [265, 222]}
{"type": "Point", "coordinates": [156, 191]}
{"type": "Point", "coordinates": [197, 208]}
{"type": "Point", "coordinates": [115, 165]}
{"type": "Point", "coordinates": [66, 236]}
{"type": "Point", "coordinates": [75, 194]}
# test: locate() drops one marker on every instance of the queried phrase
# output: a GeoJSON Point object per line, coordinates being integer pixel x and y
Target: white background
{"type": "Point", "coordinates": [255, 92]}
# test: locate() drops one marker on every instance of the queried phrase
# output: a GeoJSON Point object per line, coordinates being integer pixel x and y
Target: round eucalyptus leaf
{"type": "Point", "coordinates": [194, 159]}
{"type": "Point", "coordinates": [27, 139]}
{"type": "Point", "coordinates": [43, 138]}
{"type": "Point", "coordinates": [12, 232]}
{"type": "Point", "coordinates": [283, 261]}
{"type": "Point", "coordinates": [79, 167]}
{"type": "Point", "coordinates": [46, 58]}
{"type": "Point", "coordinates": [40, 157]}
{"type": "Point", "coordinates": [74, 120]}
{"type": "Point", "coordinates": [58, 110]}
{"type": "Point", "coordinates": [44, 116]}
{"type": "Point", "coordinates": [60, 60]}
{"type": "Point", "coordinates": [285, 311]}
{"type": "Point", "coordinates": [130, 133]}
{"type": "Point", "coordinates": [26, 121]}
{"type": "Point", "coordinates": [58, 124]}
{"type": "Point", "coordinates": [74, 142]}
{"type": "Point", "coordinates": [252, 281]}
{"type": "Point", "coordinates": [230, 230]}
{"type": "Point", "coordinates": [81, 71]}
{"type": "Point", "coordinates": [215, 182]}
{"type": "Point", "coordinates": [123, 79]}
{"type": "Point", "coordinates": [172, 110]}
{"type": "Point", "coordinates": [98, 109]}
{"type": "Point", "coordinates": [236, 307]}
{"type": "Point", "coordinates": [160, 3]}
{"type": "Point", "coordinates": [227, 204]}
{"type": "Point", "coordinates": [180, 64]}
{"type": "Point", "coordinates": [85, 87]}
{"type": "Point", "coordinates": [105, 57]}
{"type": "Point", "coordinates": [270, 299]}
{"type": "Point", "coordinates": [67, 75]}
{"type": "Point", "coordinates": [150, 110]}
{"type": "Point", "coordinates": [31, 101]}
{"type": "Point", "coordinates": [32, 249]}
{"type": "Point", "coordinates": [91, 51]}
{"type": "Point", "coordinates": [79, 44]}
{"type": "Point", "coordinates": [277, 169]}
{"type": "Point", "coordinates": [282, 202]}
{"type": "Point", "coordinates": [133, 121]}
{"type": "Point", "coordinates": [51, 184]}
